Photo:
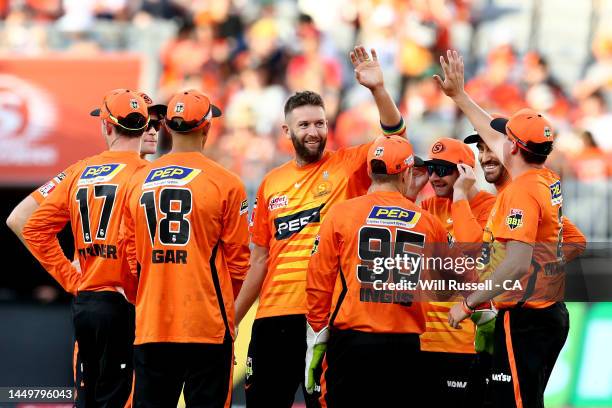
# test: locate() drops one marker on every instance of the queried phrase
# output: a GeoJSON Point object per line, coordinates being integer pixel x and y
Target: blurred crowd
{"type": "Point", "coordinates": [249, 56]}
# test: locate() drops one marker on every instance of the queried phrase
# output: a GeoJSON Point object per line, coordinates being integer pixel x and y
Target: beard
{"type": "Point", "coordinates": [304, 153]}
{"type": "Point", "coordinates": [493, 176]}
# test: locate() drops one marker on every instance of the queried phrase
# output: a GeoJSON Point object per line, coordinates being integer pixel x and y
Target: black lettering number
{"type": "Point", "coordinates": [105, 191]}
{"type": "Point", "coordinates": [375, 245]}
{"type": "Point", "coordinates": [81, 197]}
{"type": "Point", "coordinates": [147, 200]}
{"type": "Point", "coordinates": [175, 205]}
{"type": "Point", "coordinates": [374, 242]}
{"type": "Point", "coordinates": [403, 240]}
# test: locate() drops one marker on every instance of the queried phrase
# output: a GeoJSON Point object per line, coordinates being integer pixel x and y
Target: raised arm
{"type": "Point", "coordinates": [369, 74]}
{"type": "Point", "coordinates": [453, 86]}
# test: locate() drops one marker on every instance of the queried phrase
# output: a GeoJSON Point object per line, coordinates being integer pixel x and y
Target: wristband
{"type": "Point", "coordinates": [466, 308]}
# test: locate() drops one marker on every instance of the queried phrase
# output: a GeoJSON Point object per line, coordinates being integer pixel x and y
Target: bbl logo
{"type": "Point", "coordinates": [379, 151]}
{"type": "Point", "coordinates": [547, 132]}
{"type": "Point", "coordinates": [437, 148]}
{"type": "Point", "coordinates": [514, 220]}
{"type": "Point", "coordinates": [179, 108]}
{"type": "Point", "coordinates": [134, 103]}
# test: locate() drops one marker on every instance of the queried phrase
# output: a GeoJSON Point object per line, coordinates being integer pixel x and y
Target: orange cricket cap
{"type": "Point", "coordinates": [531, 131]}
{"type": "Point", "coordinates": [190, 110]}
{"type": "Point", "coordinates": [448, 151]}
{"type": "Point", "coordinates": [124, 108]}
{"type": "Point", "coordinates": [395, 151]}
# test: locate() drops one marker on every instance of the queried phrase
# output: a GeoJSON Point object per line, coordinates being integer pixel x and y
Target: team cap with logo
{"type": "Point", "coordinates": [190, 110]}
{"type": "Point", "coordinates": [124, 108]}
{"type": "Point", "coordinates": [531, 131]}
{"type": "Point", "coordinates": [395, 151]}
{"type": "Point", "coordinates": [447, 151]}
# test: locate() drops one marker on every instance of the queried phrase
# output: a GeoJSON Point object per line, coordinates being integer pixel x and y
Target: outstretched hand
{"type": "Point", "coordinates": [452, 84]}
{"type": "Point", "coordinates": [367, 70]}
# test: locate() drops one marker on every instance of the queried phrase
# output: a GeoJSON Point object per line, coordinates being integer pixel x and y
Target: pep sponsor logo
{"type": "Point", "coordinates": [394, 216]}
{"type": "Point", "coordinates": [291, 224]}
{"type": "Point", "coordinates": [100, 173]}
{"type": "Point", "coordinates": [170, 176]}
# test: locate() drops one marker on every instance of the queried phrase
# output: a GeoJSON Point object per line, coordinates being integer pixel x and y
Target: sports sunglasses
{"type": "Point", "coordinates": [155, 123]}
{"type": "Point", "coordinates": [440, 169]}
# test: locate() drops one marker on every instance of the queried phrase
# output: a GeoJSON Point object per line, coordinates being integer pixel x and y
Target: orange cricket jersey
{"type": "Point", "coordinates": [43, 191]}
{"type": "Point", "coordinates": [573, 239]}
{"type": "Point", "coordinates": [344, 290]}
{"type": "Point", "coordinates": [91, 197]}
{"type": "Point", "coordinates": [439, 335]}
{"type": "Point", "coordinates": [291, 203]}
{"type": "Point", "coordinates": [529, 210]}
{"type": "Point", "coordinates": [186, 232]}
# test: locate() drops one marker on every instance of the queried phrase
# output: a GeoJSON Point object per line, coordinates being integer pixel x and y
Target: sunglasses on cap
{"type": "Point", "coordinates": [440, 169]}
{"type": "Point", "coordinates": [130, 122]}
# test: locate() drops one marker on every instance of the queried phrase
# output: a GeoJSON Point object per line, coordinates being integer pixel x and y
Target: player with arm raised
{"type": "Point", "coordinates": [373, 327]}
{"type": "Point", "coordinates": [522, 244]}
{"type": "Point", "coordinates": [291, 202]}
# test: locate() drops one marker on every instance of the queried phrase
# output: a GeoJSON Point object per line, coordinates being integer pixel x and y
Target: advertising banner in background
{"type": "Point", "coordinates": [44, 111]}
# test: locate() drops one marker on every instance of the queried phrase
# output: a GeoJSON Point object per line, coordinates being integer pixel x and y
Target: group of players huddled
{"type": "Point", "coordinates": [166, 263]}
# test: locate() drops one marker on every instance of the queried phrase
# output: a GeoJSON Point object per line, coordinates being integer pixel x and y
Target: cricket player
{"type": "Point", "coordinates": [90, 198]}
{"type": "Point", "coordinates": [448, 353]}
{"type": "Point", "coordinates": [291, 202]}
{"type": "Point", "coordinates": [373, 348]}
{"type": "Point", "coordinates": [523, 247]}
{"type": "Point", "coordinates": [148, 145]}
{"type": "Point", "coordinates": [186, 237]}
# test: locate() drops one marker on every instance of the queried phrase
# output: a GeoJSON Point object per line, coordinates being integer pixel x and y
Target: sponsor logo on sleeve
{"type": "Point", "coordinates": [170, 176]}
{"type": "Point", "coordinates": [46, 188]}
{"type": "Point", "coordinates": [244, 207]}
{"type": "Point", "coordinates": [514, 220]}
{"type": "Point", "coordinates": [555, 193]}
{"type": "Point", "coordinates": [278, 202]}
{"type": "Point", "coordinates": [100, 173]}
{"type": "Point", "coordinates": [394, 216]}
{"type": "Point", "coordinates": [60, 177]}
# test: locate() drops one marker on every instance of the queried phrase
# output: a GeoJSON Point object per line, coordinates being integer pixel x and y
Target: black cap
{"type": "Point", "coordinates": [473, 138]}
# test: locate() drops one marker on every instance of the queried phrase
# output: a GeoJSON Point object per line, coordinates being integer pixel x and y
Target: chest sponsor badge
{"type": "Point", "coordinates": [278, 202]}
{"type": "Point", "coordinates": [321, 189]}
{"type": "Point", "coordinates": [170, 176]}
{"type": "Point", "coordinates": [514, 220]}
